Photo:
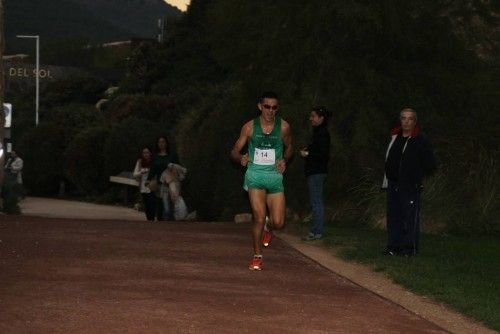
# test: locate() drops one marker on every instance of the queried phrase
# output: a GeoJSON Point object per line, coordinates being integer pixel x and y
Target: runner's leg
{"type": "Point", "coordinates": [258, 204]}
{"type": "Point", "coordinates": [276, 205]}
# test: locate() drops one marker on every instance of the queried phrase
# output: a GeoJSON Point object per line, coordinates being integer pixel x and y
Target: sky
{"type": "Point", "coordinates": [181, 4]}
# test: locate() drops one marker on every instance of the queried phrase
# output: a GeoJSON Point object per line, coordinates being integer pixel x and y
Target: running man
{"type": "Point", "coordinates": [269, 148]}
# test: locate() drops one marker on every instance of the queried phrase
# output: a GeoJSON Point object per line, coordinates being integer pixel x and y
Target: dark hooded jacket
{"type": "Point", "coordinates": [416, 159]}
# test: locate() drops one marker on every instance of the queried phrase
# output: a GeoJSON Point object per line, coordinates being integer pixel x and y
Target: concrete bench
{"type": "Point", "coordinates": [126, 179]}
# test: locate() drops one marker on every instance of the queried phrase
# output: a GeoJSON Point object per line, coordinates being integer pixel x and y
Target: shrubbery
{"type": "Point", "coordinates": [42, 151]}
{"type": "Point", "coordinates": [11, 192]}
{"type": "Point", "coordinates": [42, 148]}
{"type": "Point", "coordinates": [154, 108]}
{"type": "Point", "coordinates": [365, 61]}
{"type": "Point", "coordinates": [124, 144]}
{"type": "Point", "coordinates": [84, 90]}
{"type": "Point", "coordinates": [84, 161]}
{"type": "Point", "coordinates": [73, 118]}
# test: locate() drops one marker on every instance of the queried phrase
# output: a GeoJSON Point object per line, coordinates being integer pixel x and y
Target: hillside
{"type": "Point", "coordinates": [97, 21]}
{"type": "Point", "coordinates": [138, 16]}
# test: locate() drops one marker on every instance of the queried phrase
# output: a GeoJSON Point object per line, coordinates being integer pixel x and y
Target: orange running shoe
{"type": "Point", "coordinates": [256, 263]}
{"type": "Point", "coordinates": [267, 236]}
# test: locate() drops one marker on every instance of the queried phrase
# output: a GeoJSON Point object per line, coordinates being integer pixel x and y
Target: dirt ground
{"type": "Point", "coordinates": [109, 276]}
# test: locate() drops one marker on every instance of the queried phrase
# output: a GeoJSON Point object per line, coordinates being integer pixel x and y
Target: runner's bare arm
{"type": "Point", "coordinates": [287, 140]}
{"type": "Point", "coordinates": [286, 136]}
{"type": "Point", "coordinates": [246, 133]}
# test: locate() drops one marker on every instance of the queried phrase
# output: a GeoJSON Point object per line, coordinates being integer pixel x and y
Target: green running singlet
{"type": "Point", "coordinates": [263, 152]}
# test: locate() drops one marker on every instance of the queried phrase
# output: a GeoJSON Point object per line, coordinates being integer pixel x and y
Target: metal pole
{"type": "Point", "coordinates": [37, 99]}
{"type": "Point", "coordinates": [37, 74]}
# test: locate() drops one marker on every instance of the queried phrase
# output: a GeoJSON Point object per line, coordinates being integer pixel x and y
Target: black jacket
{"type": "Point", "coordinates": [319, 152]}
{"type": "Point", "coordinates": [417, 160]}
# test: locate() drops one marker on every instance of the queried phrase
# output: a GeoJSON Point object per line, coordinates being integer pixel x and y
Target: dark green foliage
{"type": "Point", "coordinates": [11, 192]}
{"type": "Point", "coordinates": [215, 184]}
{"type": "Point", "coordinates": [42, 147]}
{"type": "Point", "coordinates": [141, 70]}
{"type": "Point", "coordinates": [155, 108]}
{"type": "Point", "coordinates": [73, 118]}
{"type": "Point", "coordinates": [366, 61]}
{"type": "Point", "coordinates": [84, 161]}
{"type": "Point", "coordinates": [42, 151]}
{"type": "Point", "coordinates": [111, 58]}
{"type": "Point", "coordinates": [124, 144]}
{"type": "Point", "coordinates": [74, 90]}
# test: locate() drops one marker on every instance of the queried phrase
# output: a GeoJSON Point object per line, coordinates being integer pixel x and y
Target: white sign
{"type": "Point", "coordinates": [7, 109]}
{"type": "Point", "coordinates": [27, 73]}
{"type": "Point", "coordinates": [264, 157]}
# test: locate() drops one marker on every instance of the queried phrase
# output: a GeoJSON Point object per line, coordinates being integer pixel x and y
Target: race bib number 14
{"type": "Point", "coordinates": [264, 157]}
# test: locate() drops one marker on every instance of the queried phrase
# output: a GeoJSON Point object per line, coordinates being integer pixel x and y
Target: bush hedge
{"type": "Point", "coordinates": [84, 161]}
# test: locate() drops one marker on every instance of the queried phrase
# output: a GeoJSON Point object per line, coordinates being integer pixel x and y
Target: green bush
{"type": "Point", "coordinates": [42, 147]}
{"type": "Point", "coordinates": [125, 142]}
{"type": "Point", "coordinates": [73, 118]}
{"type": "Point", "coordinates": [84, 161]}
{"type": "Point", "coordinates": [206, 134]}
{"type": "Point", "coordinates": [84, 90]}
{"type": "Point", "coordinates": [11, 192]}
{"type": "Point", "coordinates": [365, 61]}
{"type": "Point", "coordinates": [474, 182]}
{"type": "Point", "coordinates": [154, 108]}
{"type": "Point", "coordinates": [42, 151]}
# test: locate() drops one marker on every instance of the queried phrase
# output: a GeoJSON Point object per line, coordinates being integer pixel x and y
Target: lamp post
{"type": "Point", "coordinates": [37, 75]}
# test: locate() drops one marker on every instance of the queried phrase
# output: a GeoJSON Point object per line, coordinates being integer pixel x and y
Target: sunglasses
{"type": "Point", "coordinates": [267, 106]}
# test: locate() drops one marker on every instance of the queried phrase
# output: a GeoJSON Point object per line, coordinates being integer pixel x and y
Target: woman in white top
{"type": "Point", "coordinates": [141, 172]}
{"type": "Point", "coordinates": [15, 166]}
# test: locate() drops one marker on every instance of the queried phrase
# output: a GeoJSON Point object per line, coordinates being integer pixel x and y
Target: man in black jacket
{"type": "Point", "coordinates": [409, 159]}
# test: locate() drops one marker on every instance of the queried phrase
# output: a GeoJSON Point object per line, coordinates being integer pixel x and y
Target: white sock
{"type": "Point", "coordinates": [266, 224]}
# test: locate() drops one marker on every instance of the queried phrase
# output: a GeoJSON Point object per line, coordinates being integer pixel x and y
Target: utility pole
{"type": "Point", "coordinates": [2, 82]}
{"type": "Point", "coordinates": [2, 90]}
{"type": "Point", "coordinates": [161, 30]}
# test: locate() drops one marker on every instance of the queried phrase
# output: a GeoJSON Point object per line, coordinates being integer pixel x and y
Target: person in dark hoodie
{"type": "Point", "coordinates": [316, 156]}
{"type": "Point", "coordinates": [409, 158]}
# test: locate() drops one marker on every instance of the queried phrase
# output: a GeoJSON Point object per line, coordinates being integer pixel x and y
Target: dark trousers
{"type": "Point", "coordinates": [149, 201]}
{"type": "Point", "coordinates": [163, 212]}
{"type": "Point", "coordinates": [315, 183]}
{"type": "Point", "coordinates": [403, 218]}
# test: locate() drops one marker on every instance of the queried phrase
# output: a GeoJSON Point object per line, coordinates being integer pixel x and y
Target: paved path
{"type": "Point", "coordinates": [56, 208]}
{"type": "Point", "coordinates": [91, 276]}
{"type": "Point", "coordinates": [76, 233]}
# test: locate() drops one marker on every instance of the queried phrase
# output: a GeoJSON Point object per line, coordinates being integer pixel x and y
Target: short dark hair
{"type": "Point", "coordinates": [322, 111]}
{"type": "Point", "coordinates": [268, 95]}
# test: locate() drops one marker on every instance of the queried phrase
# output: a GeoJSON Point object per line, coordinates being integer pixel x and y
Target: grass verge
{"type": "Point", "coordinates": [462, 272]}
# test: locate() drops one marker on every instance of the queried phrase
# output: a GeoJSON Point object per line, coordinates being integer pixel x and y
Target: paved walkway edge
{"type": "Point", "coordinates": [384, 287]}
{"type": "Point", "coordinates": [60, 208]}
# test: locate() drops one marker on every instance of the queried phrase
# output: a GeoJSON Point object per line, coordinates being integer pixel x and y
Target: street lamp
{"type": "Point", "coordinates": [37, 75]}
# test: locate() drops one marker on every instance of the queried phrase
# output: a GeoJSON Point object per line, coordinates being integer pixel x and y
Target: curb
{"type": "Point", "coordinates": [382, 286]}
